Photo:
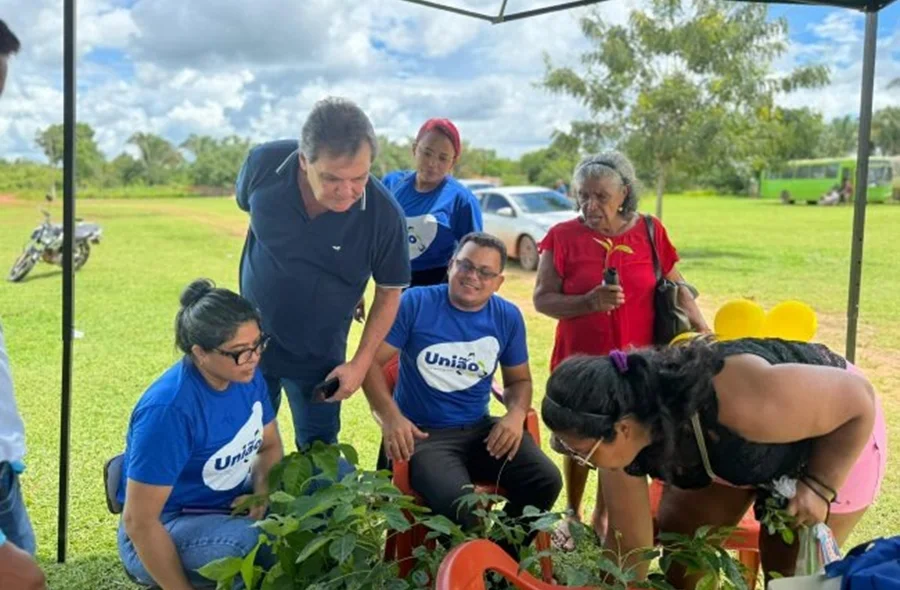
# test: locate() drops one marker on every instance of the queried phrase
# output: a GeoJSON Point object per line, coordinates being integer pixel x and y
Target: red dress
{"type": "Point", "coordinates": [580, 261]}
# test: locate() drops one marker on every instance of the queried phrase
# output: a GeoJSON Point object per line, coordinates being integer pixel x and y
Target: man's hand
{"type": "Point", "coordinates": [19, 570]}
{"type": "Point", "coordinates": [400, 437]}
{"type": "Point", "coordinates": [257, 512]}
{"type": "Point", "coordinates": [359, 314]}
{"type": "Point", "coordinates": [350, 375]}
{"type": "Point", "coordinates": [605, 298]}
{"type": "Point", "coordinates": [506, 435]}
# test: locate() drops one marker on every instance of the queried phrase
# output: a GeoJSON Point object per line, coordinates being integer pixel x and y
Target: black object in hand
{"type": "Point", "coordinates": [610, 276]}
{"type": "Point", "coordinates": [326, 389]}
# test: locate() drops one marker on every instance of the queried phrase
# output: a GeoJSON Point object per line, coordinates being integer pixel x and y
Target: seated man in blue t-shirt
{"type": "Point", "coordinates": [451, 338]}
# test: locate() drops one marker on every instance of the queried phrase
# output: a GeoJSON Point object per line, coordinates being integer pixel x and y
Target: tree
{"type": "Point", "coordinates": [683, 85]}
{"type": "Point", "coordinates": [840, 137]}
{"type": "Point", "coordinates": [216, 162]}
{"type": "Point", "coordinates": [801, 134]}
{"type": "Point", "coordinates": [125, 169]}
{"type": "Point", "coordinates": [392, 156]}
{"type": "Point", "coordinates": [89, 161]}
{"type": "Point", "coordinates": [886, 130]}
{"type": "Point", "coordinates": [159, 159]}
{"type": "Point", "coordinates": [548, 165]}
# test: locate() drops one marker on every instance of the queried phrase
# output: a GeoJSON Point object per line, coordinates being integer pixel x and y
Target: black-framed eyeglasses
{"type": "Point", "coordinates": [242, 357]}
{"type": "Point", "coordinates": [483, 273]}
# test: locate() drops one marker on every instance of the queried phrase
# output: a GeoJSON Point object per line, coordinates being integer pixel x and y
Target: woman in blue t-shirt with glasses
{"type": "Point", "coordinates": [439, 210]}
{"type": "Point", "coordinates": [201, 437]}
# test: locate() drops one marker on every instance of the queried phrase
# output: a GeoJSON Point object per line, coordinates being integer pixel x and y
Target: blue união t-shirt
{"type": "Point", "coordinates": [436, 220]}
{"type": "Point", "coordinates": [202, 442]}
{"type": "Point", "coordinates": [448, 356]}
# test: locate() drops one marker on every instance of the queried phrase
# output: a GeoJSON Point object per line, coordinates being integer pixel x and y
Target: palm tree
{"type": "Point", "coordinates": [158, 157]}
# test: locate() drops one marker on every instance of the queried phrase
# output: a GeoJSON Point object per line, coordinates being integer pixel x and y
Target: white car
{"type": "Point", "coordinates": [474, 184]}
{"type": "Point", "coordinates": [521, 217]}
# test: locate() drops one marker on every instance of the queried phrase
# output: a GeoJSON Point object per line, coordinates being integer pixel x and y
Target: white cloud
{"type": "Point", "coordinates": [219, 67]}
{"type": "Point", "coordinates": [837, 41]}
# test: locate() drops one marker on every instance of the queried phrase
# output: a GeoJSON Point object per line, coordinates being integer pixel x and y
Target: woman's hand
{"type": "Point", "coordinates": [605, 298]}
{"type": "Point", "coordinates": [807, 507]}
{"type": "Point", "coordinates": [255, 512]}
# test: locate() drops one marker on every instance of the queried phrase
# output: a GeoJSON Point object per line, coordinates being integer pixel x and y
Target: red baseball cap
{"type": "Point", "coordinates": [444, 126]}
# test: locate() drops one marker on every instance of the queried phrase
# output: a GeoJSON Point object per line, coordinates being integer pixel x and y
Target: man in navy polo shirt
{"type": "Point", "coordinates": [452, 338]}
{"type": "Point", "coordinates": [320, 227]}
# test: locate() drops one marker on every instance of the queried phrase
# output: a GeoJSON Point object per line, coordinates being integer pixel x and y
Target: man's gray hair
{"type": "Point", "coordinates": [611, 164]}
{"type": "Point", "coordinates": [484, 240]}
{"type": "Point", "coordinates": [338, 127]}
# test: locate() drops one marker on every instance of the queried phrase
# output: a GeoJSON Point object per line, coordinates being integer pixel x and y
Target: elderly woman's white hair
{"type": "Point", "coordinates": [611, 164]}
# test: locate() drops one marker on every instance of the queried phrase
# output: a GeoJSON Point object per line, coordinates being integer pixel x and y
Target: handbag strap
{"type": "Point", "coordinates": [648, 223]}
{"type": "Point", "coordinates": [701, 444]}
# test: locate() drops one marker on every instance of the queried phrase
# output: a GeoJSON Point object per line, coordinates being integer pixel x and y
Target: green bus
{"type": "Point", "coordinates": [809, 180]}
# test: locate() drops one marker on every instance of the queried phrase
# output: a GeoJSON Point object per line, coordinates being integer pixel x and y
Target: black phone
{"type": "Point", "coordinates": [326, 389]}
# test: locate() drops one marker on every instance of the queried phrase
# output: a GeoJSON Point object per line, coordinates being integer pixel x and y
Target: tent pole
{"type": "Point", "coordinates": [68, 292]}
{"type": "Point", "coordinates": [862, 175]}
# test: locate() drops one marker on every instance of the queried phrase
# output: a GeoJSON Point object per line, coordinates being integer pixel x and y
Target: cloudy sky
{"type": "Point", "coordinates": [219, 67]}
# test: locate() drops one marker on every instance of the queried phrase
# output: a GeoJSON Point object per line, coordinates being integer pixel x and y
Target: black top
{"type": "Point", "coordinates": [734, 459]}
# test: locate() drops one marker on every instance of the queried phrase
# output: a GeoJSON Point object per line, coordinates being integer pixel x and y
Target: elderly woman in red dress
{"type": "Point", "coordinates": [595, 317]}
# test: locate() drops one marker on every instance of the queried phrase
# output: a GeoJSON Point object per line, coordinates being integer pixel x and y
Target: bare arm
{"type": "Point", "coordinates": [787, 403]}
{"type": "Point", "coordinates": [517, 389]}
{"type": "Point", "coordinates": [19, 570]}
{"type": "Point", "coordinates": [505, 437]}
{"type": "Point", "coordinates": [549, 299]}
{"type": "Point", "coordinates": [143, 505]}
{"type": "Point", "coordinates": [381, 318]}
{"type": "Point", "coordinates": [270, 453]}
{"type": "Point", "coordinates": [375, 386]}
{"type": "Point", "coordinates": [398, 433]}
{"type": "Point", "coordinates": [628, 501]}
{"type": "Point", "coordinates": [688, 303]}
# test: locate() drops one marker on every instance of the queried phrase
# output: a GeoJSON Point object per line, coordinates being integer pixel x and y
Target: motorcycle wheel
{"type": "Point", "coordinates": [81, 255]}
{"type": "Point", "coordinates": [23, 265]}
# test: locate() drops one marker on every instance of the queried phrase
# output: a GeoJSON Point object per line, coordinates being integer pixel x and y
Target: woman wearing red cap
{"type": "Point", "coordinates": [439, 210]}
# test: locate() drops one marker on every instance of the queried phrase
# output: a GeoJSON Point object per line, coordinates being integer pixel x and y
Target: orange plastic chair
{"type": "Point", "coordinates": [465, 566]}
{"type": "Point", "coordinates": [400, 546]}
{"type": "Point", "coordinates": [744, 540]}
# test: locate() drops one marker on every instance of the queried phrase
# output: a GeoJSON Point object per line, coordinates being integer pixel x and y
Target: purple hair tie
{"type": "Point", "coordinates": [620, 360]}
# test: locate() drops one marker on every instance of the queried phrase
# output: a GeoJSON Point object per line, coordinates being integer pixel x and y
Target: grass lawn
{"type": "Point", "coordinates": [127, 296]}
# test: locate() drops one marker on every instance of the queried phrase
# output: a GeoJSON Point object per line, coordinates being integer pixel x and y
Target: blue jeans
{"type": "Point", "coordinates": [199, 539]}
{"type": "Point", "coordinates": [14, 521]}
{"type": "Point", "coordinates": [313, 420]}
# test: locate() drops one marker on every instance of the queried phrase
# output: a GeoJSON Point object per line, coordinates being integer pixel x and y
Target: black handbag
{"type": "Point", "coordinates": [670, 318]}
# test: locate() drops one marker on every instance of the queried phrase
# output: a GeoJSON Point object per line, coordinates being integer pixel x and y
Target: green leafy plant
{"type": "Point", "coordinates": [324, 533]}
{"type": "Point", "coordinates": [777, 520]}
{"type": "Point", "coordinates": [702, 553]}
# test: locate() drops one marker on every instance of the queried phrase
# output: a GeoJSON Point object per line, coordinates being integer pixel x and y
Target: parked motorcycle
{"type": "Point", "coordinates": [46, 243]}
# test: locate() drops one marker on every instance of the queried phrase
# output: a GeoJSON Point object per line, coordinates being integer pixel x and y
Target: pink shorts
{"type": "Point", "coordinates": [864, 481]}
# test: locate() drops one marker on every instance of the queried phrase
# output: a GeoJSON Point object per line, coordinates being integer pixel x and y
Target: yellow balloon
{"type": "Point", "coordinates": [740, 318]}
{"type": "Point", "coordinates": [683, 337]}
{"type": "Point", "coordinates": [791, 320]}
